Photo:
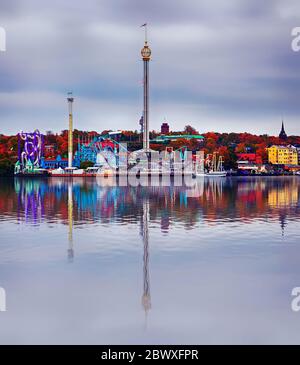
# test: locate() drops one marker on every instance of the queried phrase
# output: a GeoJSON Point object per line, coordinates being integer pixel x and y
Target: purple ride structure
{"type": "Point", "coordinates": [30, 147]}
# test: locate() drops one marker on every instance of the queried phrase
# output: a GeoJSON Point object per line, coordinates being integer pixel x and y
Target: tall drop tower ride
{"type": "Point", "coordinates": [70, 136]}
{"type": "Point", "coordinates": [146, 53]}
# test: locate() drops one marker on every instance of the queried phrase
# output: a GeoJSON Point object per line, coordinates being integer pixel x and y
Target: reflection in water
{"type": "Point", "coordinates": [283, 222]}
{"type": "Point", "coordinates": [70, 222]}
{"type": "Point", "coordinates": [82, 201]}
{"type": "Point", "coordinates": [30, 201]}
{"type": "Point", "coordinates": [219, 241]}
{"type": "Point", "coordinates": [209, 201]}
{"type": "Point", "coordinates": [146, 298]}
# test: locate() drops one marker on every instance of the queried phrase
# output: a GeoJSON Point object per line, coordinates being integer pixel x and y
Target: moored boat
{"type": "Point", "coordinates": [214, 168]}
{"type": "Point", "coordinates": [212, 174]}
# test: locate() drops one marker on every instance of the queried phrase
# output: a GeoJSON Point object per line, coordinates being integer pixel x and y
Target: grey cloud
{"type": "Point", "coordinates": [232, 60]}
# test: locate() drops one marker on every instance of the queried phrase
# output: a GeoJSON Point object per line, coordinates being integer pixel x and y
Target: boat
{"type": "Point", "coordinates": [35, 173]}
{"type": "Point", "coordinates": [212, 174]}
{"type": "Point", "coordinates": [214, 168]}
{"type": "Point", "coordinates": [67, 172]}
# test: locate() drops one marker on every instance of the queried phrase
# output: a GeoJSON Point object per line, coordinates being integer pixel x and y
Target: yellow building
{"type": "Point", "coordinates": [283, 155]}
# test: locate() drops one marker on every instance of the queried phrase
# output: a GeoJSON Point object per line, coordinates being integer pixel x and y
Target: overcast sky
{"type": "Point", "coordinates": [217, 65]}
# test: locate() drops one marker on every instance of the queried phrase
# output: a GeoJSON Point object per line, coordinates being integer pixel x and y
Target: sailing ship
{"type": "Point", "coordinates": [211, 167]}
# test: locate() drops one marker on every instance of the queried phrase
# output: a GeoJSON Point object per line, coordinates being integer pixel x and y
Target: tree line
{"type": "Point", "coordinates": [229, 145]}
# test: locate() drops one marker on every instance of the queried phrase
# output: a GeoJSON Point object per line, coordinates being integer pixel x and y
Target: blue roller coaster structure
{"type": "Point", "coordinates": [88, 151]}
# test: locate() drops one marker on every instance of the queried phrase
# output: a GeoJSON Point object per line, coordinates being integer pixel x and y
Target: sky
{"type": "Point", "coordinates": [216, 65]}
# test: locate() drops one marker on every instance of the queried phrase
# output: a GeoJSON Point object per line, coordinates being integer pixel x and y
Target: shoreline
{"type": "Point", "coordinates": [138, 176]}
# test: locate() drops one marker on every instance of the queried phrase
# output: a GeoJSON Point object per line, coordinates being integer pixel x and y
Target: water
{"type": "Point", "coordinates": [86, 262]}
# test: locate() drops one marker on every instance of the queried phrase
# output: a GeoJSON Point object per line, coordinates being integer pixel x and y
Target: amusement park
{"type": "Point", "coordinates": [126, 153]}
{"type": "Point", "coordinates": [104, 155]}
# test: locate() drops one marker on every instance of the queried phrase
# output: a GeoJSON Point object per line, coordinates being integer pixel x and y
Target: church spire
{"type": "Point", "coordinates": [283, 135]}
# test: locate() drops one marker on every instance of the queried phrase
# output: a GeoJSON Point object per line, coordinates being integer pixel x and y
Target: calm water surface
{"type": "Point", "coordinates": [88, 262]}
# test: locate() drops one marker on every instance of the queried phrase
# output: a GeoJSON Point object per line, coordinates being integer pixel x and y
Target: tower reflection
{"type": "Point", "coordinates": [70, 222]}
{"type": "Point", "coordinates": [146, 297]}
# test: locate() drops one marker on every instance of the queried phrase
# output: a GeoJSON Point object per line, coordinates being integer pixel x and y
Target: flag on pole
{"type": "Point", "coordinates": [145, 26]}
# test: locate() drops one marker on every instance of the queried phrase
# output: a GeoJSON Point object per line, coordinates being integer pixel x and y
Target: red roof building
{"type": "Point", "coordinates": [250, 158]}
